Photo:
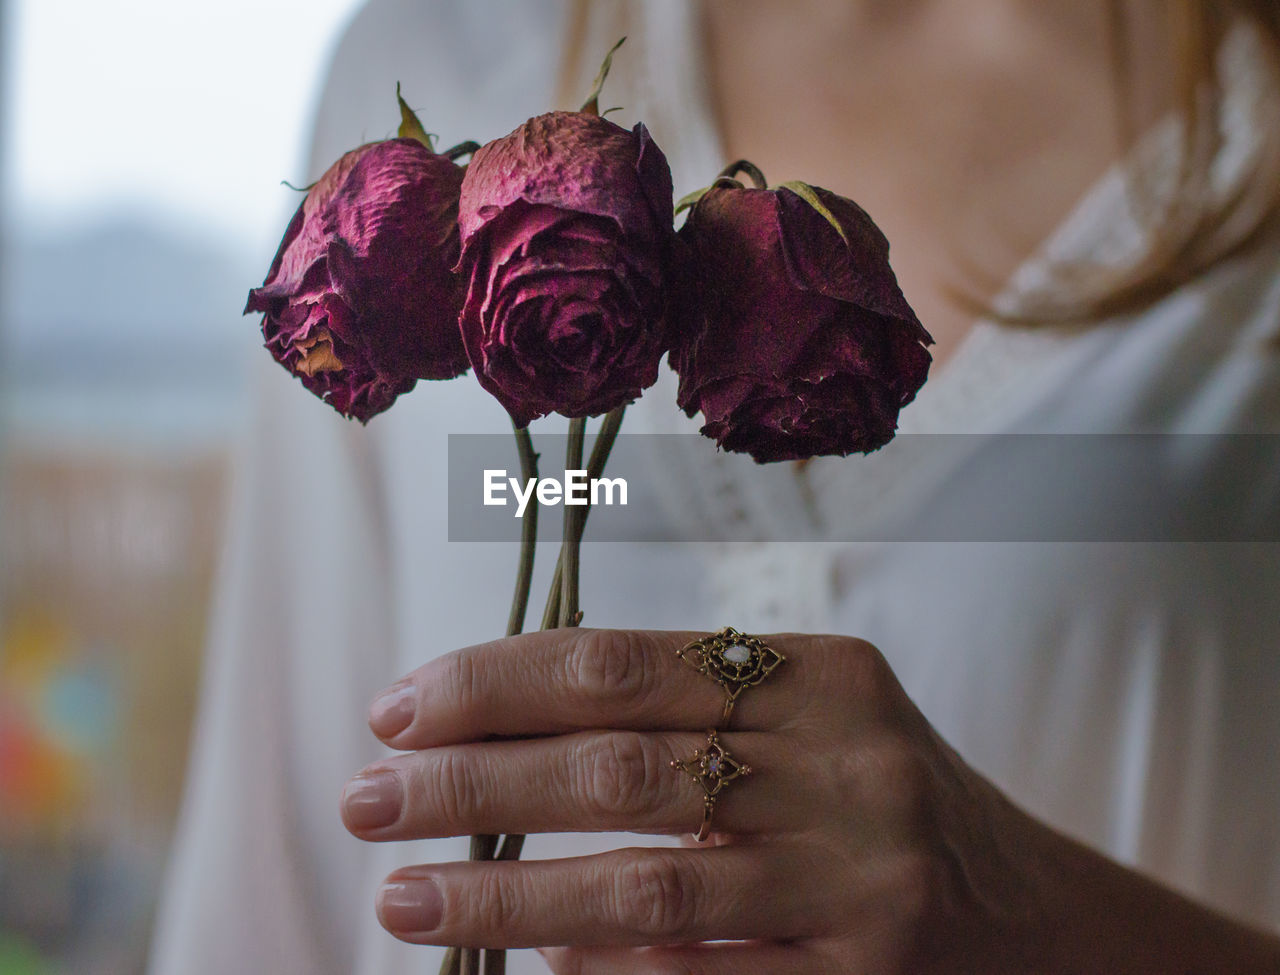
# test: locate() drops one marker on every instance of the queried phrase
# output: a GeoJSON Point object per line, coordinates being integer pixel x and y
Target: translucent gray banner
{"type": "Point", "coordinates": [922, 488]}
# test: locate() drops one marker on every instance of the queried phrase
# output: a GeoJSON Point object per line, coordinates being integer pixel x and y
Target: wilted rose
{"type": "Point", "coordinates": [794, 339]}
{"type": "Point", "coordinates": [361, 301]}
{"type": "Point", "coordinates": [566, 237]}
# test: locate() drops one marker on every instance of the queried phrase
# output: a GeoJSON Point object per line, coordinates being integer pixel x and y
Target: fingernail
{"type": "Point", "coordinates": [410, 906]}
{"type": "Point", "coordinates": [373, 800]}
{"type": "Point", "coordinates": [392, 710]}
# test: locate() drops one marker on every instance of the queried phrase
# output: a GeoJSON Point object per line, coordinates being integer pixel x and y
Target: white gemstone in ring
{"type": "Point", "coordinates": [733, 660]}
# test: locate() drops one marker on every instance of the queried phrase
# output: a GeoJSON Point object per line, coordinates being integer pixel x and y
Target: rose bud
{"type": "Point", "coordinates": [566, 239]}
{"type": "Point", "coordinates": [361, 302]}
{"type": "Point", "coordinates": [794, 339]}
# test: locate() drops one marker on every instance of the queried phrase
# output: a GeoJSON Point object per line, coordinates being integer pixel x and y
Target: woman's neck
{"type": "Point", "coordinates": [967, 128]}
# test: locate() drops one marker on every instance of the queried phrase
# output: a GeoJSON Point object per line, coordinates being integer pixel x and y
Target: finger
{"type": "Point", "coordinates": [568, 680]}
{"type": "Point", "coordinates": [584, 782]}
{"type": "Point", "coordinates": [627, 897]}
{"type": "Point", "coordinates": [732, 958]}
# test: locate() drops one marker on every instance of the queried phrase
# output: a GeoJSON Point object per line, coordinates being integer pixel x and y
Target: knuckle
{"type": "Point", "coordinates": [893, 781]}
{"type": "Point", "coordinates": [857, 671]}
{"type": "Point", "coordinates": [612, 665]}
{"type": "Point", "coordinates": [657, 896]}
{"type": "Point", "coordinates": [620, 774]}
{"type": "Point", "coordinates": [457, 792]}
{"type": "Point", "coordinates": [462, 686]}
{"type": "Point", "coordinates": [496, 901]}
{"type": "Point", "coordinates": [906, 778]}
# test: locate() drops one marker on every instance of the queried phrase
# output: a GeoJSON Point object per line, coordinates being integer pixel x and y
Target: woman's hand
{"type": "Point", "coordinates": [860, 844]}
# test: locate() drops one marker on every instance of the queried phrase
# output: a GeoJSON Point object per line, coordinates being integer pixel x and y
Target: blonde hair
{"type": "Point", "coordinates": [1197, 225]}
{"type": "Point", "coordinates": [1188, 230]}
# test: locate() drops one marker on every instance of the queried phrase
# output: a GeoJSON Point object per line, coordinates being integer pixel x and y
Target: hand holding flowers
{"type": "Point", "coordinates": [550, 264]}
{"type": "Point", "coordinates": [860, 844]}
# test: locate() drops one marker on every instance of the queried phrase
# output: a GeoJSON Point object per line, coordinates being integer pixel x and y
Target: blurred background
{"type": "Point", "coordinates": [142, 145]}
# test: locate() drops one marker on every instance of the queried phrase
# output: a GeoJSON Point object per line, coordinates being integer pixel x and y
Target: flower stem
{"type": "Point", "coordinates": [467, 961]}
{"type": "Point", "coordinates": [528, 535]}
{"type": "Point", "coordinates": [744, 166]}
{"type": "Point", "coordinates": [605, 438]}
{"type": "Point", "coordinates": [572, 543]}
{"type": "Point", "coordinates": [551, 612]}
{"type": "Point", "coordinates": [460, 150]}
{"type": "Point", "coordinates": [561, 593]}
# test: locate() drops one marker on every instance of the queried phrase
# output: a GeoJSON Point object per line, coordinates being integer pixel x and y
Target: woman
{"type": "Point", "coordinates": [1117, 692]}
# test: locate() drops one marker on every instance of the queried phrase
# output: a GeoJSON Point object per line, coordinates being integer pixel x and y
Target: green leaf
{"type": "Point", "coordinates": [808, 194]}
{"type": "Point", "coordinates": [592, 105]}
{"type": "Point", "coordinates": [410, 127]}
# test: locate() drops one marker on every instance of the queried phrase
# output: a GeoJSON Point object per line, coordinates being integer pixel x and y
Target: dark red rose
{"type": "Point", "coordinates": [794, 339]}
{"type": "Point", "coordinates": [566, 239]}
{"type": "Point", "coordinates": [361, 302]}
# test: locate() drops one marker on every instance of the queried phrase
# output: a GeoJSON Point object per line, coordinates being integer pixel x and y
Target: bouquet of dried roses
{"type": "Point", "coordinates": [550, 265]}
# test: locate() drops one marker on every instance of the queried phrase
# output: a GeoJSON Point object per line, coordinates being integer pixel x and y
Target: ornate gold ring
{"type": "Point", "coordinates": [733, 660]}
{"type": "Point", "coordinates": [712, 768]}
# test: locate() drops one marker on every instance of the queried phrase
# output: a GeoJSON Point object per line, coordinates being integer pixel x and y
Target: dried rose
{"type": "Point", "coordinates": [361, 302]}
{"type": "Point", "coordinates": [794, 338]}
{"type": "Point", "coordinates": [566, 242]}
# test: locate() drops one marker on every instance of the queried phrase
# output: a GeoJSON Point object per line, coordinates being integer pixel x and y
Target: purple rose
{"type": "Point", "coordinates": [566, 240]}
{"type": "Point", "coordinates": [361, 302]}
{"type": "Point", "coordinates": [794, 338]}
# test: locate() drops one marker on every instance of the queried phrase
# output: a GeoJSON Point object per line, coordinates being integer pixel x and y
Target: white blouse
{"type": "Point", "coordinates": [1125, 692]}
